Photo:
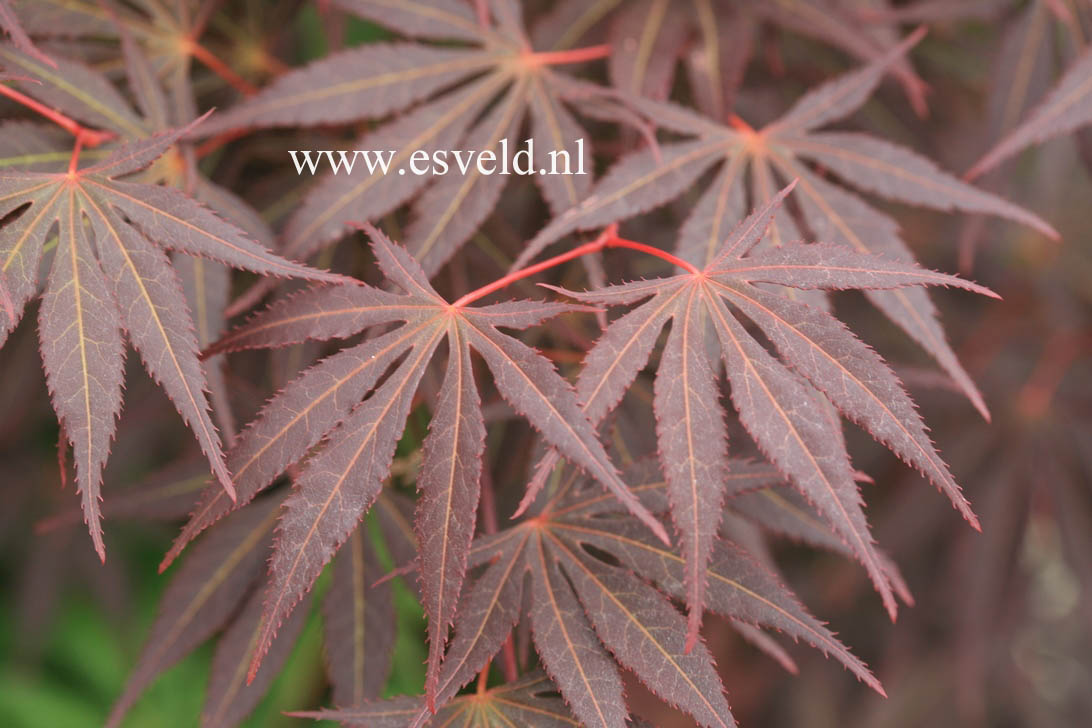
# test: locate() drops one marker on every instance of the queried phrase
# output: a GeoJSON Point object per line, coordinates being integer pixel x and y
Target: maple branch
{"type": "Point", "coordinates": [91, 137]}
{"type": "Point", "coordinates": [607, 239]}
{"type": "Point", "coordinates": [617, 242]}
{"type": "Point", "coordinates": [527, 272]}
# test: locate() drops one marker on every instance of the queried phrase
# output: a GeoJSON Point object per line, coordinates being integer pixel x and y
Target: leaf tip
{"type": "Point", "coordinates": [890, 605]}
{"type": "Point", "coordinates": [229, 488]}
{"type": "Point", "coordinates": [172, 554]}
{"type": "Point", "coordinates": [660, 531]}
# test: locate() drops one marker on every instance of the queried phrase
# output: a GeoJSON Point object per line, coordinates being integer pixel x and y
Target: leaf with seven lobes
{"type": "Point", "coordinates": [110, 274]}
{"type": "Point", "coordinates": [471, 97]}
{"type": "Point", "coordinates": [649, 178]}
{"type": "Point", "coordinates": [781, 409]}
{"type": "Point", "coordinates": [339, 483]}
{"type": "Point", "coordinates": [587, 615]}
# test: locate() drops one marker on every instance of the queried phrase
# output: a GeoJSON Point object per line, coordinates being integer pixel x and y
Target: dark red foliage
{"type": "Point", "coordinates": [650, 440]}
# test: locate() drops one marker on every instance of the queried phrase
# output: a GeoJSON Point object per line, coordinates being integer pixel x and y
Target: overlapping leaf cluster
{"type": "Point", "coordinates": [594, 570]}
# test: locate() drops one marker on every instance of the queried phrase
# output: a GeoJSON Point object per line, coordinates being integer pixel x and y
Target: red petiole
{"type": "Point", "coordinates": [607, 239]}
{"type": "Point", "coordinates": [86, 137]}
{"type": "Point", "coordinates": [75, 159]}
{"type": "Point", "coordinates": [574, 55]}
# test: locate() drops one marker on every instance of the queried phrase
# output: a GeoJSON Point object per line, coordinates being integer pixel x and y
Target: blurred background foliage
{"type": "Point", "coordinates": [1002, 631]}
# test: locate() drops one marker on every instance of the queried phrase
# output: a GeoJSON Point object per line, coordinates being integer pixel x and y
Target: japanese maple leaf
{"type": "Point", "coordinates": [109, 274]}
{"type": "Point", "coordinates": [159, 104]}
{"type": "Point", "coordinates": [649, 178]}
{"type": "Point", "coordinates": [475, 94]}
{"type": "Point", "coordinates": [589, 616]}
{"type": "Point", "coordinates": [784, 410]}
{"type": "Point", "coordinates": [337, 485]}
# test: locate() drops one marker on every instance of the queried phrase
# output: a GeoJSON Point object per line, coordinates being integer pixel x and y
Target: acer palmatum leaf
{"type": "Point", "coordinates": [82, 319]}
{"type": "Point", "coordinates": [1068, 106]}
{"type": "Point", "coordinates": [207, 590]}
{"type": "Point", "coordinates": [337, 486]}
{"type": "Point", "coordinates": [472, 96]}
{"type": "Point", "coordinates": [577, 518]}
{"type": "Point", "coordinates": [624, 347]}
{"type": "Point", "coordinates": [334, 490]}
{"type": "Point", "coordinates": [83, 355]}
{"type": "Point", "coordinates": [693, 441]}
{"type": "Point", "coordinates": [649, 178]}
{"type": "Point", "coordinates": [776, 407]}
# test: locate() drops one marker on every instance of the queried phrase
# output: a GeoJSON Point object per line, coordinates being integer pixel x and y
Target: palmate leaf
{"type": "Point", "coordinates": [649, 178]}
{"type": "Point", "coordinates": [121, 281]}
{"type": "Point", "coordinates": [587, 613]}
{"type": "Point", "coordinates": [339, 483]}
{"type": "Point", "coordinates": [206, 284]}
{"type": "Point", "coordinates": [497, 73]}
{"type": "Point", "coordinates": [782, 411]}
